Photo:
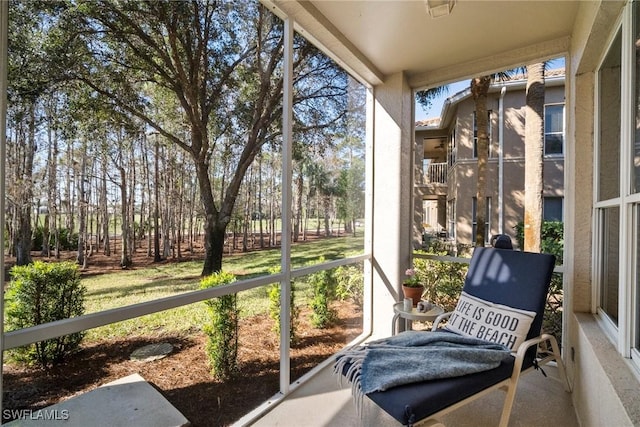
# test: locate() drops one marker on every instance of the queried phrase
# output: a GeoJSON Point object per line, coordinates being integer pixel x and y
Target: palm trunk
{"type": "Point", "coordinates": [533, 152]}
{"type": "Point", "coordinates": [479, 90]}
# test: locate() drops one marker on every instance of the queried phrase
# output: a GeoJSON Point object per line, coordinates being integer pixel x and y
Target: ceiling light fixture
{"type": "Point", "coordinates": [439, 8]}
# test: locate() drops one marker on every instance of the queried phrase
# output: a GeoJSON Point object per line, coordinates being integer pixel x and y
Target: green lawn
{"type": "Point", "coordinates": [133, 286]}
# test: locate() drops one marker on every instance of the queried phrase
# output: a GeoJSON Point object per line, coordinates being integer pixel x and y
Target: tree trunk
{"type": "Point", "coordinates": [479, 90]}
{"type": "Point", "coordinates": [125, 226]}
{"type": "Point", "coordinates": [192, 233]}
{"type": "Point", "coordinates": [82, 219]}
{"type": "Point", "coordinates": [68, 205]}
{"type": "Point", "coordinates": [156, 207]}
{"type": "Point", "coordinates": [52, 197]}
{"type": "Point", "coordinates": [327, 205]}
{"type": "Point", "coordinates": [214, 230]}
{"type": "Point", "coordinates": [23, 211]}
{"type": "Point", "coordinates": [298, 207]}
{"type": "Point", "coordinates": [105, 208]}
{"type": "Point", "coordinates": [247, 215]}
{"type": "Point", "coordinates": [260, 230]}
{"type": "Point", "coordinates": [533, 162]}
{"type": "Point", "coordinates": [125, 259]}
{"type": "Point", "coordinates": [272, 208]}
{"type": "Point", "coordinates": [147, 216]}
{"type": "Point", "coordinates": [133, 152]}
{"type": "Point", "coordinates": [167, 205]}
{"type": "Point", "coordinates": [180, 217]}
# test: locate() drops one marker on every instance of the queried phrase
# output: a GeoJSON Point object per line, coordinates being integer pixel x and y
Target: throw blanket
{"type": "Point", "coordinates": [415, 356]}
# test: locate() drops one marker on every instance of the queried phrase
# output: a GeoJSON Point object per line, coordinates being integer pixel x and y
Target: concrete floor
{"type": "Point", "coordinates": [320, 402]}
{"type": "Point", "coordinates": [129, 401]}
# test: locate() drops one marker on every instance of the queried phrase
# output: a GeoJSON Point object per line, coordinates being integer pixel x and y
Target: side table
{"type": "Point", "coordinates": [414, 314]}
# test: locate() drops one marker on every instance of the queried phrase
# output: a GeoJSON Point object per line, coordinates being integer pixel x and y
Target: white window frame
{"type": "Point", "coordinates": [623, 335]}
{"type": "Point", "coordinates": [563, 132]}
{"type": "Point", "coordinates": [452, 154]}
{"type": "Point", "coordinates": [452, 218]}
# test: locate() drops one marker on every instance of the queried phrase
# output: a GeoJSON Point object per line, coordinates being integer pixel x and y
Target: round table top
{"type": "Point", "coordinates": [414, 314]}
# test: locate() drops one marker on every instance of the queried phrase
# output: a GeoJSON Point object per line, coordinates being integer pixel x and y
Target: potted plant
{"type": "Point", "coordinates": [412, 286]}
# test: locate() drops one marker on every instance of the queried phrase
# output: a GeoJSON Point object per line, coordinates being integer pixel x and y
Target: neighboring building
{"type": "Point", "coordinates": [446, 150]}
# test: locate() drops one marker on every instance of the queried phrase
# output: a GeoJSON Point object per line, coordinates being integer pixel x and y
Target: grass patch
{"type": "Point", "coordinates": [124, 288]}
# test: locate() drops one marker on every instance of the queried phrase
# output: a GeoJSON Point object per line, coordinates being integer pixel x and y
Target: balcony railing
{"type": "Point", "coordinates": [436, 173]}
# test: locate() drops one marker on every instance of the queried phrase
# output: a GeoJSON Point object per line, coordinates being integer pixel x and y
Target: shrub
{"type": "Point", "coordinates": [350, 284]}
{"type": "Point", "coordinates": [40, 293]}
{"type": "Point", "coordinates": [323, 285]}
{"type": "Point", "coordinates": [442, 280]}
{"type": "Point", "coordinates": [552, 242]}
{"type": "Point", "coordinates": [67, 240]}
{"type": "Point", "coordinates": [552, 238]}
{"type": "Point", "coordinates": [222, 329]}
{"type": "Point", "coordinates": [274, 308]}
{"type": "Point", "coordinates": [37, 238]}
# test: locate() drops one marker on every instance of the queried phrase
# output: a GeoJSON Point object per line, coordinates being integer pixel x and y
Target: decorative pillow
{"type": "Point", "coordinates": [497, 323]}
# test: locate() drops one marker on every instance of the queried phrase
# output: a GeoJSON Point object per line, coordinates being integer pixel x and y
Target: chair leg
{"type": "Point", "coordinates": [508, 401]}
{"type": "Point", "coordinates": [558, 358]}
{"type": "Point", "coordinates": [513, 382]}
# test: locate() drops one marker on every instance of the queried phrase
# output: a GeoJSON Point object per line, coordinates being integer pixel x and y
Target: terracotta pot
{"type": "Point", "coordinates": [414, 293]}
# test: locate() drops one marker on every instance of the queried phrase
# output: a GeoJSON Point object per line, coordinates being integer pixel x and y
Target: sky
{"type": "Point", "coordinates": [436, 106]}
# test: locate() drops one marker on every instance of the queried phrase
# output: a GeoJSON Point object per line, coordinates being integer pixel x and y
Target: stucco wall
{"type": "Point", "coordinates": [462, 184]}
{"type": "Point", "coordinates": [605, 387]}
{"type": "Point", "coordinates": [605, 393]}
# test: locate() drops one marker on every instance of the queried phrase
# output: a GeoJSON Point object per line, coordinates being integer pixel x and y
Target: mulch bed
{"type": "Point", "coordinates": [184, 376]}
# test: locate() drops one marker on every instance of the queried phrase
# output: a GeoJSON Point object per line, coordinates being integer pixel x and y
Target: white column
{"type": "Point", "coordinates": [287, 131]}
{"type": "Point", "coordinates": [392, 193]}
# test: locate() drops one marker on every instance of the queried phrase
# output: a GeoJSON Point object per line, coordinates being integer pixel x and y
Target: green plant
{"type": "Point", "coordinates": [350, 284]}
{"type": "Point", "coordinates": [41, 293]}
{"type": "Point", "coordinates": [67, 241]}
{"type": "Point", "coordinates": [442, 280]}
{"type": "Point", "coordinates": [222, 329]}
{"type": "Point", "coordinates": [551, 238]}
{"type": "Point", "coordinates": [552, 242]}
{"type": "Point", "coordinates": [323, 284]}
{"type": "Point", "coordinates": [274, 307]}
{"type": "Point", "coordinates": [413, 279]}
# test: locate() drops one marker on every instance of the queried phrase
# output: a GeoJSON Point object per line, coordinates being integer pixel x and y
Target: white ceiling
{"type": "Point", "coordinates": [394, 36]}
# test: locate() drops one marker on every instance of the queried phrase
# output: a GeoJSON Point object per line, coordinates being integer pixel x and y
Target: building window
{"type": "Point", "coordinates": [451, 211]}
{"type": "Point", "coordinates": [452, 151]}
{"type": "Point", "coordinates": [487, 224]}
{"type": "Point", "coordinates": [554, 130]}
{"type": "Point", "coordinates": [617, 185]}
{"type": "Point", "coordinates": [609, 122]}
{"type": "Point", "coordinates": [475, 135]}
{"type": "Point", "coordinates": [610, 258]}
{"type": "Point", "coordinates": [552, 208]}
{"type": "Point", "coordinates": [608, 154]}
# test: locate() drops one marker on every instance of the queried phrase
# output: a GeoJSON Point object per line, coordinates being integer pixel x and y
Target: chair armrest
{"type": "Point", "coordinates": [439, 319]}
{"type": "Point", "coordinates": [522, 350]}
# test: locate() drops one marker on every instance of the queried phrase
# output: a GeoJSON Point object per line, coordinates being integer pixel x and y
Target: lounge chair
{"type": "Point", "coordinates": [498, 279]}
